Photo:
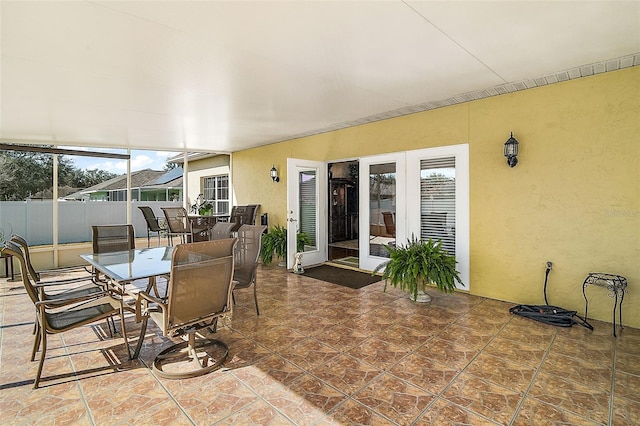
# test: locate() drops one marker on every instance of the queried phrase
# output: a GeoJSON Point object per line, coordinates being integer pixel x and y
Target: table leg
{"type": "Point", "coordinates": [152, 285]}
{"type": "Point", "coordinates": [620, 307]}
{"type": "Point", "coordinates": [8, 264]}
{"type": "Point", "coordinates": [615, 305]}
{"type": "Point", "coordinates": [586, 301]}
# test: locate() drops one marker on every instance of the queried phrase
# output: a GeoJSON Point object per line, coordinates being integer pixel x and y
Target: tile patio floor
{"type": "Point", "coordinates": [326, 355]}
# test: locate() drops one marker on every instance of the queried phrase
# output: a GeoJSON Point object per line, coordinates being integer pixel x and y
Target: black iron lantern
{"type": "Point", "coordinates": [274, 174]}
{"type": "Point", "coordinates": [511, 151]}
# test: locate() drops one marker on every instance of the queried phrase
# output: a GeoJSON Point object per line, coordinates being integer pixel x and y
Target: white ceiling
{"type": "Point", "coordinates": [224, 76]}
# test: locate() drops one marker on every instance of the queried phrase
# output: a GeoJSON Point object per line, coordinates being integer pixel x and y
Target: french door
{"type": "Point", "coordinates": [382, 207]}
{"type": "Point", "coordinates": [307, 210]}
{"type": "Point", "coordinates": [438, 200]}
{"type": "Point", "coordinates": [422, 193]}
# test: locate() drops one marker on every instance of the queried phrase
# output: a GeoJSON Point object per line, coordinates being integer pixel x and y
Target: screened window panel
{"type": "Point", "coordinates": [438, 201]}
{"type": "Point", "coordinates": [308, 202]}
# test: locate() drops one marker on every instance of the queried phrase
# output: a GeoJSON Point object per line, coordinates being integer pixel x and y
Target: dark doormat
{"type": "Point", "coordinates": [341, 276]}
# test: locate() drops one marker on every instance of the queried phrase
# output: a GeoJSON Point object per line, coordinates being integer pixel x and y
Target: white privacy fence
{"type": "Point", "coordinates": [33, 220]}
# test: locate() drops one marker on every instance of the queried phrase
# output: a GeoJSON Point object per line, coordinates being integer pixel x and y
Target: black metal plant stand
{"type": "Point", "coordinates": [616, 285]}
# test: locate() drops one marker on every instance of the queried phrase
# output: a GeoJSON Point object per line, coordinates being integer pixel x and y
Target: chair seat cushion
{"type": "Point", "coordinates": [86, 313]}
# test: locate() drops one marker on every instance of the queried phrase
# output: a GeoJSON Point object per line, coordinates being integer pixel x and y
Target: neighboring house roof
{"type": "Point", "coordinates": [107, 183]}
{"type": "Point", "coordinates": [138, 179]}
{"type": "Point", "coordinates": [168, 177]}
{"type": "Point", "coordinates": [47, 194]}
{"type": "Point", "coordinates": [145, 179]}
{"type": "Point", "coordinates": [173, 184]}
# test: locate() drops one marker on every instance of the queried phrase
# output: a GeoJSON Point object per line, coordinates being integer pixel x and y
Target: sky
{"type": "Point", "coordinates": [140, 160]}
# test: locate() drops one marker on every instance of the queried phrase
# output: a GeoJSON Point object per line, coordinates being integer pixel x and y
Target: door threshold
{"type": "Point", "coordinates": [344, 265]}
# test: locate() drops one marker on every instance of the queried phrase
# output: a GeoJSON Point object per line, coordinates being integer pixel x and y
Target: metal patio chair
{"type": "Point", "coordinates": [153, 224]}
{"type": "Point", "coordinates": [246, 258]}
{"type": "Point", "coordinates": [178, 224]}
{"type": "Point", "coordinates": [200, 292]}
{"type": "Point", "coordinates": [243, 215]}
{"type": "Point", "coordinates": [55, 316]}
{"type": "Point", "coordinates": [46, 278]}
{"type": "Point", "coordinates": [221, 230]}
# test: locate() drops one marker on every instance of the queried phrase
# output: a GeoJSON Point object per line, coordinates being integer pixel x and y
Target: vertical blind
{"type": "Point", "coordinates": [438, 201]}
{"type": "Point", "coordinates": [307, 204]}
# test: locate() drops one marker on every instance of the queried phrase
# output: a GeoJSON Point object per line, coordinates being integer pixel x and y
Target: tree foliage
{"type": "Point", "coordinates": [169, 166]}
{"type": "Point", "coordinates": [23, 174]}
{"type": "Point", "coordinates": [87, 178]}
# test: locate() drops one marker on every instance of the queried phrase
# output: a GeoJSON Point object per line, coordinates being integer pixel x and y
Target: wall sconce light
{"type": "Point", "coordinates": [274, 174]}
{"type": "Point", "coordinates": [511, 151]}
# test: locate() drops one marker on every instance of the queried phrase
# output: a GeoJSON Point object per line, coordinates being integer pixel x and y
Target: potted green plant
{"type": "Point", "coordinates": [275, 242]}
{"type": "Point", "coordinates": [205, 209]}
{"type": "Point", "coordinates": [414, 266]}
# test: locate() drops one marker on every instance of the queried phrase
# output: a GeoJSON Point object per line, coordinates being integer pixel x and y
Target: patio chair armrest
{"type": "Point", "coordinates": [71, 301]}
{"type": "Point", "coordinates": [54, 283]}
{"type": "Point", "coordinates": [144, 297]}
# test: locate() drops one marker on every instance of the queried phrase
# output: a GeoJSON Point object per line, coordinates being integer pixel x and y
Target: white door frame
{"type": "Point", "coordinates": [408, 202]}
{"type": "Point", "coordinates": [369, 262]}
{"type": "Point", "coordinates": [294, 167]}
{"type": "Point", "coordinates": [461, 154]}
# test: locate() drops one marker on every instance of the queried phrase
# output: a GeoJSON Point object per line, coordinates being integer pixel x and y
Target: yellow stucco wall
{"type": "Point", "coordinates": [573, 199]}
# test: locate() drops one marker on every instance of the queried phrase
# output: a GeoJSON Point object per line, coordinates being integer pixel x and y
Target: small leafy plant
{"type": "Point", "coordinates": [413, 266]}
{"type": "Point", "coordinates": [275, 242]}
{"type": "Point", "coordinates": [302, 240]}
{"type": "Point", "coordinates": [205, 209]}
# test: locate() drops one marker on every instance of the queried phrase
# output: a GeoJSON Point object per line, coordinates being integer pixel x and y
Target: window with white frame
{"type": "Point", "coordinates": [216, 191]}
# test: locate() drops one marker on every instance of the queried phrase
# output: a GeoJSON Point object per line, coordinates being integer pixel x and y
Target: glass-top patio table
{"type": "Point", "coordinates": [123, 267]}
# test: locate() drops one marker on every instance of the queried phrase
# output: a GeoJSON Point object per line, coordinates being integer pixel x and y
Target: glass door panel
{"type": "Point", "coordinates": [307, 210]}
{"type": "Point", "coordinates": [382, 207]}
{"type": "Point", "coordinates": [438, 201]}
{"type": "Point", "coordinates": [308, 207]}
